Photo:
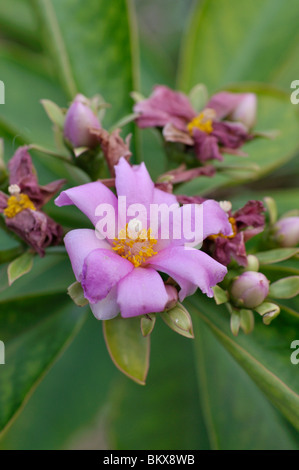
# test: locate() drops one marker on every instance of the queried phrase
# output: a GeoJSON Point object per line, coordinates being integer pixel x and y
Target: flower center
{"type": "Point", "coordinates": [234, 227]}
{"type": "Point", "coordinates": [203, 121]}
{"type": "Point", "coordinates": [135, 243]}
{"type": "Point", "coordinates": [17, 202]}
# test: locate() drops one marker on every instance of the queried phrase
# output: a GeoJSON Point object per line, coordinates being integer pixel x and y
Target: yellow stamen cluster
{"type": "Point", "coordinates": [234, 227]}
{"type": "Point", "coordinates": [136, 250]}
{"type": "Point", "coordinates": [203, 121]}
{"type": "Point", "coordinates": [17, 203]}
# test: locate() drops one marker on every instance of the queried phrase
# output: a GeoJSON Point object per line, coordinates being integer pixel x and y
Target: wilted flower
{"type": "Point", "coordinates": [246, 222]}
{"type": "Point", "coordinates": [182, 175]}
{"type": "Point", "coordinates": [286, 232]}
{"type": "Point", "coordinates": [113, 146]}
{"type": "Point", "coordinates": [22, 208]}
{"type": "Point", "coordinates": [119, 271]}
{"type": "Point", "coordinates": [223, 125]}
{"type": "Point", "coordinates": [79, 121]}
{"type": "Point", "coordinates": [249, 290]}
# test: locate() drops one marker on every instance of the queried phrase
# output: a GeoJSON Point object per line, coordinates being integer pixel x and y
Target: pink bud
{"type": "Point", "coordinates": [78, 121]}
{"type": "Point", "coordinates": [287, 232]}
{"type": "Point", "coordinates": [172, 296]}
{"type": "Point", "coordinates": [245, 111]}
{"type": "Point", "coordinates": [249, 290]}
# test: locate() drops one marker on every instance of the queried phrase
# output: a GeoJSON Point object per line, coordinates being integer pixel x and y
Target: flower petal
{"type": "Point", "coordinates": [107, 308]}
{"type": "Point", "coordinates": [190, 268]}
{"type": "Point", "coordinates": [224, 103]}
{"type": "Point", "coordinates": [103, 269]}
{"type": "Point", "coordinates": [87, 198]}
{"type": "Point", "coordinates": [141, 292]}
{"type": "Point", "coordinates": [134, 182]}
{"type": "Point", "coordinates": [79, 243]}
{"type": "Point", "coordinates": [192, 223]}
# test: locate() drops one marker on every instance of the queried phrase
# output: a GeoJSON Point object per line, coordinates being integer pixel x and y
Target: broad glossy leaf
{"type": "Point", "coordinates": [128, 348]}
{"type": "Point", "coordinates": [34, 332]}
{"type": "Point", "coordinates": [264, 354]}
{"type": "Point", "coordinates": [227, 44]}
{"type": "Point", "coordinates": [69, 407]}
{"type": "Point", "coordinates": [237, 414]}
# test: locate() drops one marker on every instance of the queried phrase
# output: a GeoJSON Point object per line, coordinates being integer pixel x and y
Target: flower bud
{"type": "Point", "coordinates": [287, 232]}
{"type": "Point", "coordinates": [172, 296]}
{"type": "Point", "coordinates": [245, 111]}
{"type": "Point", "coordinates": [249, 289]}
{"type": "Point", "coordinates": [78, 121]}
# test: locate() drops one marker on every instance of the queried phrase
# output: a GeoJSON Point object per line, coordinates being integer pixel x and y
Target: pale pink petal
{"type": "Point", "coordinates": [107, 308]}
{"type": "Point", "coordinates": [190, 268]}
{"type": "Point", "coordinates": [103, 269]}
{"type": "Point", "coordinates": [141, 292]}
{"type": "Point", "coordinates": [79, 243]}
{"type": "Point", "coordinates": [87, 198]}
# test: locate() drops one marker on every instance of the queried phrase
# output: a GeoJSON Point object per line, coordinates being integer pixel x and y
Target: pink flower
{"type": "Point", "coordinates": [22, 208]}
{"type": "Point", "coordinates": [121, 273]}
{"type": "Point", "coordinates": [249, 290]}
{"type": "Point", "coordinates": [222, 126]}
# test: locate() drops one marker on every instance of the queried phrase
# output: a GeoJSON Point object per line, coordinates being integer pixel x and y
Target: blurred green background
{"type": "Point", "coordinates": [199, 394]}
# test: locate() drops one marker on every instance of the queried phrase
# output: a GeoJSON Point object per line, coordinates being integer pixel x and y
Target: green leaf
{"type": "Point", "coordinates": [76, 293]}
{"type": "Point", "coordinates": [246, 320]}
{"type": "Point", "coordinates": [220, 295]}
{"type": "Point", "coordinates": [179, 320]}
{"type": "Point", "coordinates": [269, 311]}
{"type": "Point", "coordinates": [34, 335]}
{"type": "Point", "coordinates": [20, 266]}
{"type": "Point", "coordinates": [274, 256]}
{"type": "Point", "coordinates": [129, 350]}
{"type": "Point", "coordinates": [235, 322]}
{"type": "Point", "coordinates": [285, 288]}
{"type": "Point", "coordinates": [264, 355]}
{"type": "Point", "coordinates": [147, 324]}
{"type": "Point", "coordinates": [229, 398]}
{"type": "Point", "coordinates": [54, 112]}
{"type": "Point", "coordinates": [62, 412]}
{"type": "Point", "coordinates": [50, 275]}
{"type": "Point", "coordinates": [110, 36]}
{"type": "Point", "coordinates": [236, 38]}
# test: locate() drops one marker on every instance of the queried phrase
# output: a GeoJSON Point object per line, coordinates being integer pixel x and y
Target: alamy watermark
{"type": "Point", "coordinates": [165, 222]}
{"type": "Point", "coordinates": [2, 353]}
{"type": "Point", "coordinates": [295, 94]}
{"type": "Point", "coordinates": [2, 92]}
{"type": "Point", "coordinates": [295, 354]}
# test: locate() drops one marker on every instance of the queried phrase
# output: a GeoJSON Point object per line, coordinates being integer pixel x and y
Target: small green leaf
{"type": "Point", "coordinates": [179, 320]}
{"type": "Point", "coordinates": [76, 293]}
{"type": "Point", "coordinates": [272, 209]}
{"type": "Point", "coordinates": [20, 266]}
{"type": "Point", "coordinates": [285, 288]}
{"type": "Point", "coordinates": [54, 112]}
{"type": "Point", "coordinates": [147, 324]}
{"type": "Point", "coordinates": [198, 96]}
{"type": "Point", "coordinates": [274, 256]}
{"type": "Point", "coordinates": [220, 295]}
{"type": "Point", "coordinates": [268, 308]}
{"type": "Point", "coordinates": [235, 322]}
{"type": "Point", "coordinates": [128, 349]}
{"type": "Point", "coordinates": [246, 320]}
